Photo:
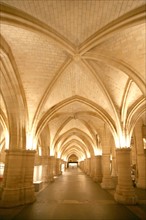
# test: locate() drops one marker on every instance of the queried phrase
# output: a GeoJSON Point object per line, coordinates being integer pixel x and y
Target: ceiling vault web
{"type": "Point", "coordinates": [72, 71]}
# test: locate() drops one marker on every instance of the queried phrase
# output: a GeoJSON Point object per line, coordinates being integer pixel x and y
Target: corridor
{"type": "Point", "coordinates": [72, 196]}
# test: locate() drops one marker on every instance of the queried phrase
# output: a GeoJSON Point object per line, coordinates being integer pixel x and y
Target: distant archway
{"type": "Point", "coordinates": [72, 161]}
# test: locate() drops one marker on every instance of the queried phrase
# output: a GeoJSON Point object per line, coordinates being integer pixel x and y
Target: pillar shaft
{"type": "Point", "coordinates": [51, 168]}
{"type": "Point", "coordinates": [88, 166]}
{"type": "Point", "coordinates": [58, 166]}
{"type": "Point", "coordinates": [141, 165]}
{"type": "Point", "coordinates": [107, 182]}
{"type": "Point", "coordinates": [18, 186]}
{"type": "Point", "coordinates": [82, 165]}
{"type": "Point", "coordinates": [85, 166]}
{"type": "Point", "coordinates": [45, 169]}
{"type": "Point", "coordinates": [125, 192]}
{"type": "Point", "coordinates": [97, 175]}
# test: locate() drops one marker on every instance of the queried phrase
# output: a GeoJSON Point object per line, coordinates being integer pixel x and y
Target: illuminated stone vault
{"type": "Point", "coordinates": [72, 78]}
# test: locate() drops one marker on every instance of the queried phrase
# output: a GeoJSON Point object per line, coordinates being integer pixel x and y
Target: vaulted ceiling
{"type": "Point", "coordinates": [77, 66]}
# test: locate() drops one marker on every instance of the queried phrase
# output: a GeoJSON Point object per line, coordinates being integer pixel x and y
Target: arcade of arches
{"type": "Point", "coordinates": [72, 90]}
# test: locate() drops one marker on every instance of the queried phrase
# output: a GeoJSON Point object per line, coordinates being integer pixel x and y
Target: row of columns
{"type": "Point", "coordinates": [116, 174]}
{"type": "Point", "coordinates": [17, 186]}
{"type": "Point", "coordinates": [98, 167]}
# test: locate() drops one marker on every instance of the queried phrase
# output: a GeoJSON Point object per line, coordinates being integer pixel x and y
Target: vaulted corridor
{"type": "Point", "coordinates": [74, 195]}
{"type": "Point", "coordinates": [72, 90]}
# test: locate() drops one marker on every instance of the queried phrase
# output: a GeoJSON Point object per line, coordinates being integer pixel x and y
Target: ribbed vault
{"type": "Point", "coordinates": [64, 78]}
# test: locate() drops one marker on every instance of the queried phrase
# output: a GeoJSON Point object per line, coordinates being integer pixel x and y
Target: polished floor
{"type": "Point", "coordinates": [74, 196]}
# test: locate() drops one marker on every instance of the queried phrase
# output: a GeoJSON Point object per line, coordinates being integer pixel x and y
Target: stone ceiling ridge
{"type": "Point", "coordinates": [79, 66]}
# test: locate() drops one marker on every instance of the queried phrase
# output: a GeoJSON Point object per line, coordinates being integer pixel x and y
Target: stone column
{"type": "Point", "coordinates": [18, 188]}
{"type": "Point", "coordinates": [113, 163]}
{"type": "Point", "coordinates": [85, 166]}
{"type": "Point", "coordinates": [114, 170]}
{"type": "Point", "coordinates": [92, 166]}
{"type": "Point", "coordinates": [125, 192]}
{"type": "Point", "coordinates": [51, 168]}
{"type": "Point", "coordinates": [97, 177]}
{"type": "Point", "coordinates": [82, 165]}
{"type": "Point", "coordinates": [45, 177]}
{"type": "Point", "coordinates": [63, 166]}
{"type": "Point", "coordinates": [88, 166]}
{"type": "Point", "coordinates": [141, 165]}
{"type": "Point", "coordinates": [58, 166]}
{"type": "Point", "coordinates": [141, 156]}
{"type": "Point", "coordinates": [107, 182]}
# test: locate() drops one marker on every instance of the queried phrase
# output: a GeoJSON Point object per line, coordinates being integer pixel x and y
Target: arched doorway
{"type": "Point", "coordinates": [72, 161]}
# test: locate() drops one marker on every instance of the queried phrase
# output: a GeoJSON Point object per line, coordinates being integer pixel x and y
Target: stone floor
{"type": "Point", "coordinates": [74, 196]}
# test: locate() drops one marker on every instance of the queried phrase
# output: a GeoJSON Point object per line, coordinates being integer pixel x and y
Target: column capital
{"type": "Point", "coordinates": [123, 149]}
{"type": "Point", "coordinates": [20, 151]}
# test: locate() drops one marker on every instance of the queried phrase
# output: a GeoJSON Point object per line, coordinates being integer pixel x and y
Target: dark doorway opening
{"type": "Point", "coordinates": [72, 164]}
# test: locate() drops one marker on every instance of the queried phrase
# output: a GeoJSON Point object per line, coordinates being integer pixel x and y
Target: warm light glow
{"type": "Point", "coordinates": [124, 141]}
{"type": "Point", "coordinates": [7, 140]}
{"type": "Point", "coordinates": [30, 142]}
{"type": "Point", "coordinates": [111, 157]}
{"type": "Point", "coordinates": [98, 151]}
{"type": "Point", "coordinates": [144, 142]}
{"type": "Point", "coordinates": [73, 165]}
{"type": "Point", "coordinates": [59, 154]}
{"type": "Point", "coordinates": [40, 151]}
{"type": "Point", "coordinates": [88, 155]}
{"type": "Point", "coordinates": [64, 158]}
{"type": "Point", "coordinates": [37, 174]}
{"type": "Point", "coordinates": [81, 158]}
{"type": "Point", "coordinates": [62, 167]}
{"type": "Point", "coordinates": [2, 166]}
{"type": "Point", "coordinates": [4, 140]}
{"type": "Point", "coordinates": [52, 151]}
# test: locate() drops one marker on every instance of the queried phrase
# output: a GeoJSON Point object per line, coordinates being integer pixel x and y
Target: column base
{"type": "Point", "coordinates": [125, 196]}
{"type": "Point", "coordinates": [97, 179]}
{"type": "Point", "coordinates": [17, 197]}
{"type": "Point", "coordinates": [107, 183]}
{"type": "Point", "coordinates": [51, 179]}
{"type": "Point", "coordinates": [59, 173]}
{"type": "Point", "coordinates": [141, 185]}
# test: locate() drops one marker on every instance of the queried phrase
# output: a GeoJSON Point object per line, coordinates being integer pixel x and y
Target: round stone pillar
{"type": "Point", "coordinates": [92, 169]}
{"type": "Point", "coordinates": [45, 169]}
{"type": "Point", "coordinates": [58, 166]}
{"type": "Point", "coordinates": [81, 165]}
{"type": "Point", "coordinates": [51, 168]}
{"type": "Point", "coordinates": [141, 166]}
{"type": "Point", "coordinates": [97, 177]}
{"type": "Point", "coordinates": [88, 166]}
{"type": "Point", "coordinates": [107, 181]}
{"type": "Point", "coordinates": [125, 192]}
{"type": "Point", "coordinates": [18, 188]}
{"type": "Point", "coordinates": [85, 166]}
